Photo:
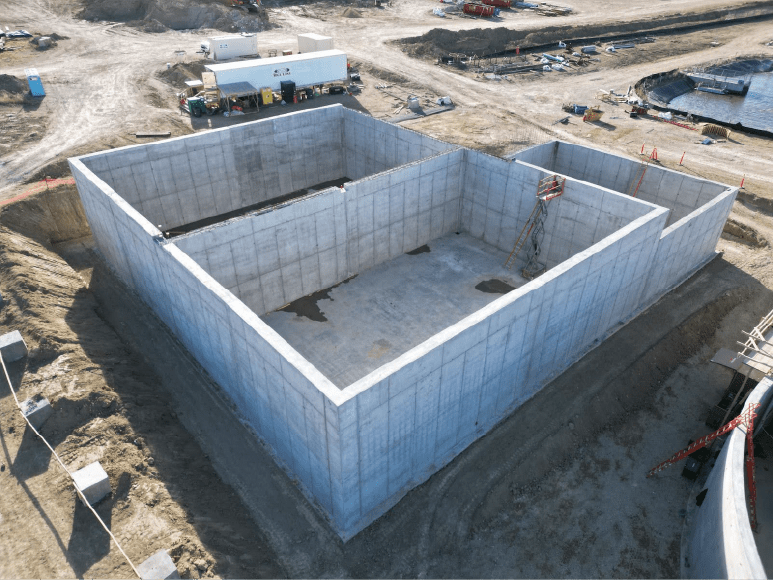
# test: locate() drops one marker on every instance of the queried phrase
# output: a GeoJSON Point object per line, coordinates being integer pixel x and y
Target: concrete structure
{"type": "Point", "coordinates": [37, 411]}
{"type": "Point", "coordinates": [311, 42]}
{"type": "Point", "coordinates": [406, 364]}
{"type": "Point", "coordinates": [93, 482]}
{"type": "Point", "coordinates": [720, 542]}
{"type": "Point", "coordinates": [12, 346]}
{"type": "Point", "coordinates": [159, 566]}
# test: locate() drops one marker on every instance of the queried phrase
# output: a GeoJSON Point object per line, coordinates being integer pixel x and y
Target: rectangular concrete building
{"type": "Point", "coordinates": [369, 333]}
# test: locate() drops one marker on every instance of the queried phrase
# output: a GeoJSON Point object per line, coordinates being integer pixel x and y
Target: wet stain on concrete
{"type": "Point", "coordinates": [420, 250]}
{"type": "Point", "coordinates": [307, 305]}
{"type": "Point", "coordinates": [494, 286]}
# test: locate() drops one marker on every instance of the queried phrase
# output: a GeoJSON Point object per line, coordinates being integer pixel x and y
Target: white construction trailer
{"type": "Point", "coordinates": [305, 70]}
{"type": "Point", "coordinates": [311, 42]}
{"type": "Point", "coordinates": [233, 46]}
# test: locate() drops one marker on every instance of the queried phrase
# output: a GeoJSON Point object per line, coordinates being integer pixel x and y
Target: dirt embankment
{"type": "Point", "coordinates": [485, 41]}
{"type": "Point", "coordinates": [178, 73]}
{"type": "Point", "coordinates": [161, 15]}
{"type": "Point", "coordinates": [108, 407]}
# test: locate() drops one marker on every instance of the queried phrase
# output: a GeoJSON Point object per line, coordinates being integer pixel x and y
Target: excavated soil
{"type": "Point", "coordinates": [483, 41]}
{"type": "Point", "coordinates": [161, 15]}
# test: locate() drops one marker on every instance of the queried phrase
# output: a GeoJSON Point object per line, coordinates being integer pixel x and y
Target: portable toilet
{"type": "Point", "coordinates": [34, 82]}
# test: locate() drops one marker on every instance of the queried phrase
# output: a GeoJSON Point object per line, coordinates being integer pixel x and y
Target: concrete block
{"type": "Point", "coordinates": [12, 346]}
{"type": "Point", "coordinates": [93, 482]}
{"type": "Point", "coordinates": [37, 411]}
{"type": "Point", "coordinates": [159, 566]}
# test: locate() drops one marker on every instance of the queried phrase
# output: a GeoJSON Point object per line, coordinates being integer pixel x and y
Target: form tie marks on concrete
{"type": "Point", "coordinates": [395, 379]}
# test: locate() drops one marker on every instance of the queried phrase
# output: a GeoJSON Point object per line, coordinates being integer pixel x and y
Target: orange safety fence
{"type": "Point", "coordinates": [38, 187]}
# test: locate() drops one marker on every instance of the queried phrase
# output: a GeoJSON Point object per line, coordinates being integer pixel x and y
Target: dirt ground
{"type": "Point", "coordinates": [557, 489]}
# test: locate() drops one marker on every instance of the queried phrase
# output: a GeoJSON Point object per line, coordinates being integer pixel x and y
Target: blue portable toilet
{"type": "Point", "coordinates": [33, 80]}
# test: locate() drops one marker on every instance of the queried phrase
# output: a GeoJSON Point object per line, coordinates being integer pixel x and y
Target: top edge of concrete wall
{"type": "Point", "coordinates": [635, 160]}
{"type": "Point", "coordinates": [108, 152]}
{"type": "Point", "coordinates": [622, 197]}
{"type": "Point", "coordinates": [78, 167]}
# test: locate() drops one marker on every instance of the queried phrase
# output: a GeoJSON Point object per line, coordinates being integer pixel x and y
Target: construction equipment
{"type": "Point", "coordinates": [638, 177]}
{"type": "Point", "coordinates": [548, 188]}
{"type": "Point", "coordinates": [478, 10]}
{"type": "Point", "coordinates": [747, 419]}
{"type": "Point", "coordinates": [592, 115]}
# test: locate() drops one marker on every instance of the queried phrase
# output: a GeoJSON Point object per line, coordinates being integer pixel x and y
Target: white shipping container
{"type": "Point", "coordinates": [233, 46]}
{"type": "Point", "coordinates": [305, 70]}
{"type": "Point", "coordinates": [314, 42]}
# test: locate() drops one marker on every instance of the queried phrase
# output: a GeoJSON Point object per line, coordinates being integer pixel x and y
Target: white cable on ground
{"type": "Point", "coordinates": [78, 491]}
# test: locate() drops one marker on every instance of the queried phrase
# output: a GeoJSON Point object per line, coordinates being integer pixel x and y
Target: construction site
{"type": "Point", "coordinates": [358, 289]}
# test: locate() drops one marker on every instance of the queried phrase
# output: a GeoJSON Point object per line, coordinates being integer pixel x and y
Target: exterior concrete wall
{"type": "Point", "coordinates": [687, 245]}
{"type": "Point", "coordinates": [413, 415]}
{"type": "Point", "coordinates": [183, 180]}
{"type": "Point", "coordinates": [372, 146]}
{"type": "Point", "coordinates": [280, 394]}
{"type": "Point", "coordinates": [720, 540]}
{"type": "Point", "coordinates": [275, 257]}
{"type": "Point", "coordinates": [356, 451]}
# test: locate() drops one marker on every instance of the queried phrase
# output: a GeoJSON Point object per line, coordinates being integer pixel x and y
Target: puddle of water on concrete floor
{"type": "Point", "coordinates": [307, 306]}
{"type": "Point", "coordinates": [494, 286]}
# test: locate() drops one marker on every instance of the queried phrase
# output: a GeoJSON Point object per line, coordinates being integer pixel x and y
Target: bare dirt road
{"type": "Point", "coordinates": [558, 489]}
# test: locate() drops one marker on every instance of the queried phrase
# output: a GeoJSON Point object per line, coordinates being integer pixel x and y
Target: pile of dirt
{"type": "Point", "coordinates": [108, 408]}
{"type": "Point", "coordinates": [12, 85]}
{"type": "Point", "coordinates": [351, 13]}
{"type": "Point", "coordinates": [488, 41]}
{"type": "Point", "coordinates": [178, 73]}
{"type": "Point", "coordinates": [160, 15]}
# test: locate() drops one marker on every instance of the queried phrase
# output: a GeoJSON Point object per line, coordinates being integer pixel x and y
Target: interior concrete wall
{"type": "Point", "coordinates": [415, 414]}
{"type": "Point", "coordinates": [372, 146]}
{"type": "Point", "coordinates": [680, 193]}
{"type": "Point", "coordinates": [183, 180]}
{"type": "Point", "coordinates": [283, 397]}
{"type": "Point", "coordinates": [720, 541]}
{"type": "Point", "coordinates": [500, 196]}
{"type": "Point", "coordinates": [272, 258]}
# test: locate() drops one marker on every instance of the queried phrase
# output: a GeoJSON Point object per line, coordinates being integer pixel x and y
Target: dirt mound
{"type": "Point", "coordinates": [12, 84]}
{"type": "Point", "coordinates": [489, 41]}
{"type": "Point", "coordinates": [160, 15]}
{"type": "Point", "coordinates": [351, 13]}
{"type": "Point", "coordinates": [180, 72]}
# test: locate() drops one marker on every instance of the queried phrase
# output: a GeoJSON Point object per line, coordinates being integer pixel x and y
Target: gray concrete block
{"type": "Point", "coordinates": [159, 566]}
{"type": "Point", "coordinates": [12, 346]}
{"type": "Point", "coordinates": [37, 412]}
{"type": "Point", "coordinates": [93, 482]}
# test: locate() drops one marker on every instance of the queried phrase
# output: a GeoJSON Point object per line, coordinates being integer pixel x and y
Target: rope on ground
{"type": "Point", "coordinates": [78, 491]}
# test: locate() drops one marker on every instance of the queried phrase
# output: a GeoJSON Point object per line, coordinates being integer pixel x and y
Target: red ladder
{"type": "Point", "coordinates": [745, 418]}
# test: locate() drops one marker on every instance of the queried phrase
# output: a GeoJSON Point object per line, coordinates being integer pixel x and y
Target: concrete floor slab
{"type": "Point", "coordinates": [387, 310]}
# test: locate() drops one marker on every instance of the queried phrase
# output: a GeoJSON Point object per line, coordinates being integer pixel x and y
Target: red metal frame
{"type": "Point", "coordinates": [745, 418]}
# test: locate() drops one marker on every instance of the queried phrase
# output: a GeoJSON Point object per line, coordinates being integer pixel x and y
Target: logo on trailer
{"type": "Point", "coordinates": [281, 72]}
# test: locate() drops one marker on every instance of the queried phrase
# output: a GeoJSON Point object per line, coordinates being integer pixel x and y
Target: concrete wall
{"type": "Point", "coordinates": [680, 193]}
{"type": "Point", "coordinates": [372, 146]}
{"type": "Point", "coordinates": [720, 542]}
{"type": "Point", "coordinates": [183, 180]}
{"type": "Point", "coordinates": [275, 257]}
{"type": "Point", "coordinates": [281, 395]}
{"type": "Point", "coordinates": [356, 451]}
{"type": "Point", "coordinates": [413, 415]}
{"type": "Point", "coordinates": [499, 197]}
{"type": "Point", "coordinates": [687, 245]}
